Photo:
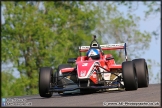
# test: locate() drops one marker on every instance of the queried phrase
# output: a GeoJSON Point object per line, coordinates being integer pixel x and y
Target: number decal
{"type": "Point", "coordinates": [84, 64]}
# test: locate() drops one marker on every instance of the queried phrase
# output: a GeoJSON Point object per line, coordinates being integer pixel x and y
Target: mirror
{"type": "Point", "coordinates": [71, 60]}
{"type": "Point", "coordinates": [109, 58]}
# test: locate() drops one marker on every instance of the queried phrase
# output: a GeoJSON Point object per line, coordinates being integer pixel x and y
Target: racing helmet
{"type": "Point", "coordinates": [93, 53]}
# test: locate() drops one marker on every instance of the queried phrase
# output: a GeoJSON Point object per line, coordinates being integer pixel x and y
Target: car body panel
{"type": "Point", "coordinates": [93, 71]}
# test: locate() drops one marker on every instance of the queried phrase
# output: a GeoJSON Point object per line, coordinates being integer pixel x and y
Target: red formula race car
{"type": "Point", "coordinates": [93, 72]}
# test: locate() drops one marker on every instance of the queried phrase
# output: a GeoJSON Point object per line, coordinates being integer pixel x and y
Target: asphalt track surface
{"type": "Point", "coordinates": [149, 94]}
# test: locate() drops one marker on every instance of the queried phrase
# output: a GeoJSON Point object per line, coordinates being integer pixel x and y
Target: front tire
{"type": "Point", "coordinates": [142, 72]}
{"type": "Point", "coordinates": [45, 81]}
{"type": "Point", "coordinates": [129, 76]}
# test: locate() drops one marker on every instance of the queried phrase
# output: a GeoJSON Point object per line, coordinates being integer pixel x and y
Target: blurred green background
{"type": "Point", "coordinates": [36, 34]}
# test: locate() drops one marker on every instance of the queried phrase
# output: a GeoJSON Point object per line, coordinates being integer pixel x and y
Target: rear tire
{"type": "Point", "coordinates": [45, 81]}
{"type": "Point", "coordinates": [142, 72]}
{"type": "Point", "coordinates": [129, 76]}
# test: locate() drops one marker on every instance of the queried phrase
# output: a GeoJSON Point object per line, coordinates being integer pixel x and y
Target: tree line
{"type": "Point", "coordinates": [37, 34]}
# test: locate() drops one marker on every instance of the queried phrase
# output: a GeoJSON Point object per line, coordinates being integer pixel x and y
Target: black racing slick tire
{"type": "Point", "coordinates": [45, 81]}
{"type": "Point", "coordinates": [142, 72]}
{"type": "Point", "coordinates": [129, 76]}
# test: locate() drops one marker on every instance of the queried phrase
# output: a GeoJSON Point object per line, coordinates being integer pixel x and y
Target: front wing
{"type": "Point", "coordinates": [61, 89]}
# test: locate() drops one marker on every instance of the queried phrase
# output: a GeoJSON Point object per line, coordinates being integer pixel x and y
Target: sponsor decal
{"type": "Point", "coordinates": [84, 47]}
{"type": "Point", "coordinates": [112, 45]}
{"type": "Point", "coordinates": [82, 73]}
{"type": "Point", "coordinates": [106, 75]}
{"type": "Point", "coordinates": [94, 75]}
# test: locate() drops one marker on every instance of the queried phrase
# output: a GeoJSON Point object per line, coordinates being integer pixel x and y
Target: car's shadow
{"type": "Point", "coordinates": [56, 95]}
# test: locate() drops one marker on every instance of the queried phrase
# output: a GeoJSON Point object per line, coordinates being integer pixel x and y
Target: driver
{"type": "Point", "coordinates": [93, 53]}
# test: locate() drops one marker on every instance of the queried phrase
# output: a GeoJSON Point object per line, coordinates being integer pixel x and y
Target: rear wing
{"type": "Point", "coordinates": [107, 47]}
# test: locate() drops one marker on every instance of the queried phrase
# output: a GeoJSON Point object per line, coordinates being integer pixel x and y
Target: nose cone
{"type": "Point", "coordinates": [84, 69]}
